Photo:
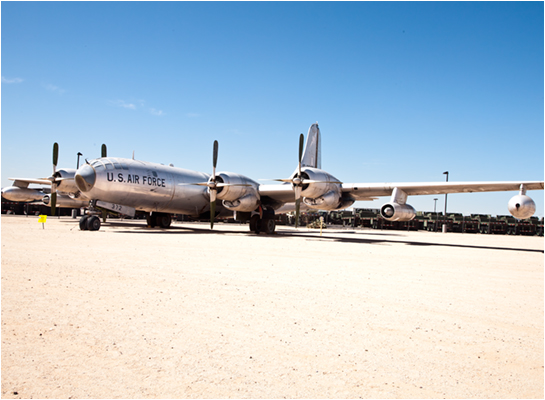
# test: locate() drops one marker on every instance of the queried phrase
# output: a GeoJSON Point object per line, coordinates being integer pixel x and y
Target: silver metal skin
{"type": "Point", "coordinates": [144, 186]}
{"type": "Point", "coordinates": [521, 206]}
{"type": "Point", "coordinates": [14, 193]}
{"type": "Point", "coordinates": [64, 201]}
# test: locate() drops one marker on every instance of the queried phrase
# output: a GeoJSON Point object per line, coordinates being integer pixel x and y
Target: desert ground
{"type": "Point", "coordinates": [134, 312]}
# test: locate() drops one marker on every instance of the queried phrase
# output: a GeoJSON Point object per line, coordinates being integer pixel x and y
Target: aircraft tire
{"type": "Point", "coordinates": [83, 223]}
{"type": "Point", "coordinates": [164, 220]}
{"type": "Point", "coordinates": [151, 219]}
{"type": "Point", "coordinates": [269, 225]}
{"type": "Point", "coordinates": [93, 223]}
{"type": "Point", "coordinates": [255, 224]}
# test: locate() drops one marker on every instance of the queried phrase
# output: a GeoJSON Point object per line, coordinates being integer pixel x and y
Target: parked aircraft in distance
{"type": "Point", "coordinates": [124, 186]}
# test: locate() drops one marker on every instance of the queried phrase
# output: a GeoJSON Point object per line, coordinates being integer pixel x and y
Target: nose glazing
{"type": "Point", "coordinates": [85, 178]}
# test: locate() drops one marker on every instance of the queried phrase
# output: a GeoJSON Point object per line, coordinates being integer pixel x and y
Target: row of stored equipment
{"type": "Point", "coordinates": [430, 221]}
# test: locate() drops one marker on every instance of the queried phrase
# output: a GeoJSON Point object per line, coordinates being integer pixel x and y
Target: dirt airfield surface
{"type": "Point", "coordinates": [134, 312]}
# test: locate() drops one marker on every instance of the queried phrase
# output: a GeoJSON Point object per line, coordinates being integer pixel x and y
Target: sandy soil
{"type": "Point", "coordinates": [132, 312]}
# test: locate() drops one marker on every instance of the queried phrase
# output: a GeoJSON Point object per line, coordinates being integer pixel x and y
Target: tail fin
{"type": "Point", "coordinates": [312, 156]}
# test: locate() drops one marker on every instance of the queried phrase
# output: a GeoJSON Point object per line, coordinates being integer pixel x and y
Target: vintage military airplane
{"type": "Point", "coordinates": [126, 185]}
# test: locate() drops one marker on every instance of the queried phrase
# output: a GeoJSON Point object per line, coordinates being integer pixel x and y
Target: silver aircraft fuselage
{"type": "Point", "coordinates": [144, 186]}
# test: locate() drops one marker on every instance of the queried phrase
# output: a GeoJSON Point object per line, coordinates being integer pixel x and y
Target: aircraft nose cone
{"type": "Point", "coordinates": [85, 178]}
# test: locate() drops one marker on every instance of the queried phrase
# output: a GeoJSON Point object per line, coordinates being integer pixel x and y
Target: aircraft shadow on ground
{"type": "Point", "coordinates": [177, 230]}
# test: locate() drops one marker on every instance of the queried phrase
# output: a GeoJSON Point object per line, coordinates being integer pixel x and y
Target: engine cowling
{"type": "Point", "coordinates": [240, 192]}
{"type": "Point", "coordinates": [397, 212]}
{"type": "Point", "coordinates": [322, 185]}
{"type": "Point", "coordinates": [14, 193]}
{"type": "Point", "coordinates": [239, 186]}
{"type": "Point", "coordinates": [332, 200]}
{"type": "Point", "coordinates": [521, 206]}
{"type": "Point", "coordinates": [246, 203]}
{"type": "Point", "coordinates": [67, 182]}
{"type": "Point", "coordinates": [66, 201]}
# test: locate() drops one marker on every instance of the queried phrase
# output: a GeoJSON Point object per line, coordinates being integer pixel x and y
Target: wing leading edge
{"type": "Point", "coordinates": [364, 191]}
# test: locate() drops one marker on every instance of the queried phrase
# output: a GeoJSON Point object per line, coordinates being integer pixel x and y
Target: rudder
{"type": "Point", "coordinates": [312, 156]}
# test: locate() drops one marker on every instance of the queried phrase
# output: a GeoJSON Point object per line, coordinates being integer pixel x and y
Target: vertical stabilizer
{"type": "Point", "coordinates": [312, 156]}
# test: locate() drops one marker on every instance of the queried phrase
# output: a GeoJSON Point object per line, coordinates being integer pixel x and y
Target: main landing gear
{"type": "Point", "coordinates": [263, 223]}
{"type": "Point", "coordinates": [162, 220]}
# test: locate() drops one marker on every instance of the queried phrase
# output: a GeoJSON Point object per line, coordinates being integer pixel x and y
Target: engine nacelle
{"type": "Point", "coordinates": [65, 202]}
{"type": "Point", "coordinates": [324, 183]}
{"type": "Point", "coordinates": [239, 186]}
{"type": "Point", "coordinates": [332, 200]}
{"type": "Point", "coordinates": [521, 206]}
{"type": "Point", "coordinates": [14, 193]}
{"type": "Point", "coordinates": [397, 212]}
{"type": "Point", "coordinates": [246, 203]}
{"type": "Point", "coordinates": [67, 183]}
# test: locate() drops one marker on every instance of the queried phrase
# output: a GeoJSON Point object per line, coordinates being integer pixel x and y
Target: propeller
{"type": "Point", "coordinates": [103, 152]}
{"type": "Point", "coordinates": [298, 181]}
{"type": "Point", "coordinates": [53, 179]}
{"type": "Point", "coordinates": [213, 184]}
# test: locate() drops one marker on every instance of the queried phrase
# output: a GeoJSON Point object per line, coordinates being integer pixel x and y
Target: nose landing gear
{"type": "Point", "coordinates": [89, 223]}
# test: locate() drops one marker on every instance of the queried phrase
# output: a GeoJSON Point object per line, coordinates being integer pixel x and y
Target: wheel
{"type": "Point", "coordinates": [152, 220]}
{"type": "Point", "coordinates": [255, 224]}
{"type": "Point", "coordinates": [269, 225]}
{"type": "Point", "coordinates": [83, 222]}
{"type": "Point", "coordinates": [93, 223]}
{"type": "Point", "coordinates": [164, 220]}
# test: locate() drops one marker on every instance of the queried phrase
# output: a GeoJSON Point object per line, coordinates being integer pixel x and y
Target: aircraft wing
{"type": "Point", "coordinates": [364, 191]}
{"type": "Point", "coordinates": [277, 193]}
{"type": "Point", "coordinates": [24, 182]}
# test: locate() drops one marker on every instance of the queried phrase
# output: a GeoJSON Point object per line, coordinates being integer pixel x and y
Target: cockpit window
{"type": "Point", "coordinates": [97, 165]}
{"type": "Point", "coordinates": [108, 164]}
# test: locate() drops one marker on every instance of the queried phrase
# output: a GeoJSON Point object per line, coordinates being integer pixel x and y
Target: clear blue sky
{"type": "Point", "coordinates": [402, 91]}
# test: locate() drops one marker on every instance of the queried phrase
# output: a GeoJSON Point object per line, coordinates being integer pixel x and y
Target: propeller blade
{"type": "Point", "coordinates": [55, 155]}
{"type": "Point", "coordinates": [301, 143]}
{"type": "Point", "coordinates": [194, 184]}
{"type": "Point", "coordinates": [212, 212]}
{"type": "Point", "coordinates": [231, 184]}
{"type": "Point", "coordinates": [53, 199]}
{"type": "Point", "coordinates": [278, 180]}
{"type": "Point", "coordinates": [215, 154]}
{"type": "Point", "coordinates": [297, 208]}
{"type": "Point", "coordinates": [215, 158]}
{"type": "Point", "coordinates": [297, 190]}
{"type": "Point", "coordinates": [104, 152]}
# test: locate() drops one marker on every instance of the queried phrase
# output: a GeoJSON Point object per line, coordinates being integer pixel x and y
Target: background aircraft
{"type": "Point", "coordinates": [125, 186]}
